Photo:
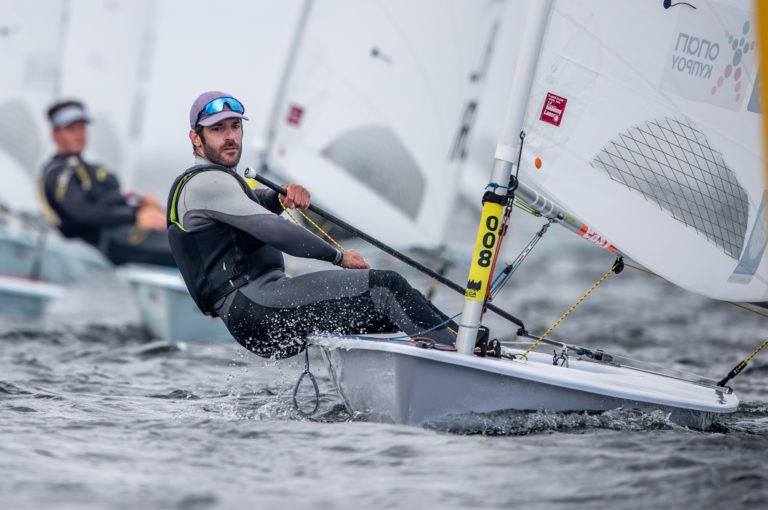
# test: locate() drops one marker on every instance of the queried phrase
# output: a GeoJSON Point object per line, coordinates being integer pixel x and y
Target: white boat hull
{"type": "Point", "coordinates": [26, 298]}
{"type": "Point", "coordinates": [167, 310]}
{"type": "Point", "coordinates": [399, 383]}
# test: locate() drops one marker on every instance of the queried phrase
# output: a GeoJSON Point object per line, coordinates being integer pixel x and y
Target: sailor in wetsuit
{"type": "Point", "coordinates": [228, 241]}
{"type": "Point", "coordinates": [84, 201]}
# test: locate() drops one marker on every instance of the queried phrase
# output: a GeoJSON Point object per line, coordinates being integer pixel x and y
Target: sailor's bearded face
{"type": "Point", "coordinates": [222, 143]}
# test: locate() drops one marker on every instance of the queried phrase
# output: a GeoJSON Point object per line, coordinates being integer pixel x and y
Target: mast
{"type": "Point", "coordinates": [58, 78]}
{"type": "Point", "coordinates": [494, 202]}
{"type": "Point", "coordinates": [282, 86]}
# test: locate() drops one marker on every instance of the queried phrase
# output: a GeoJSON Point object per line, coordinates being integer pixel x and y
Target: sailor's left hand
{"type": "Point", "coordinates": [296, 196]}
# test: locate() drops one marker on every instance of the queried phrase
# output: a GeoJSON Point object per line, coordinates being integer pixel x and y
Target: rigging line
{"type": "Point", "coordinates": [501, 280]}
{"type": "Point", "coordinates": [641, 269]}
{"type": "Point", "coordinates": [513, 185]}
{"type": "Point", "coordinates": [616, 268]}
{"type": "Point", "coordinates": [311, 222]}
{"type": "Point", "coordinates": [742, 365]}
{"type": "Point", "coordinates": [737, 305]}
{"type": "Point", "coordinates": [525, 207]}
{"type": "Point", "coordinates": [733, 303]}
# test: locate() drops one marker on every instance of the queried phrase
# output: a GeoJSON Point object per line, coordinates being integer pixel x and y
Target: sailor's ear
{"type": "Point", "coordinates": [195, 138]}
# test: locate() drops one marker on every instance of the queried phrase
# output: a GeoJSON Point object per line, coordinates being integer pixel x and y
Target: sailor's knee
{"type": "Point", "coordinates": [388, 279]}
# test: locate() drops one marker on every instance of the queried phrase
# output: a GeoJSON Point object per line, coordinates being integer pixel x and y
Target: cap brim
{"type": "Point", "coordinates": [218, 117]}
{"type": "Point", "coordinates": [72, 120]}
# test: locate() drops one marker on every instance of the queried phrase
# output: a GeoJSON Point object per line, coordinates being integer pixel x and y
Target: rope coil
{"type": "Point", "coordinates": [305, 373]}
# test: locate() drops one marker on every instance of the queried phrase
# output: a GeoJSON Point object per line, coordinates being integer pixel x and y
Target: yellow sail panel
{"type": "Point", "coordinates": [761, 15]}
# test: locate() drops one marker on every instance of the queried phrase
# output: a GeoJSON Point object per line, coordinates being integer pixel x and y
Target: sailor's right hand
{"type": "Point", "coordinates": [150, 218]}
{"type": "Point", "coordinates": [151, 202]}
{"type": "Point", "coordinates": [353, 260]}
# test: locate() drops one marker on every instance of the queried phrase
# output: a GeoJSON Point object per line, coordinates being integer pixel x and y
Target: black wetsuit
{"type": "Point", "coordinates": [273, 314]}
{"type": "Point", "coordinates": [84, 201]}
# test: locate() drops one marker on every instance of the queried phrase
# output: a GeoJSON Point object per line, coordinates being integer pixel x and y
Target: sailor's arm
{"type": "Point", "coordinates": [218, 196]}
{"type": "Point", "coordinates": [267, 199]}
{"type": "Point", "coordinates": [280, 233]}
{"type": "Point", "coordinates": [297, 196]}
{"type": "Point", "coordinates": [73, 200]}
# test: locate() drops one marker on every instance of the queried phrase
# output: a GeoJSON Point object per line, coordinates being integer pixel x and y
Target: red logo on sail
{"type": "Point", "coordinates": [295, 113]}
{"type": "Point", "coordinates": [595, 238]}
{"type": "Point", "coordinates": [553, 110]}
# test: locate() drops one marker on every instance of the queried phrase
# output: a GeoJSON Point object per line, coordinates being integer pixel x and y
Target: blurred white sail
{"type": "Point", "coordinates": [30, 40]}
{"type": "Point", "coordinates": [493, 93]}
{"type": "Point", "coordinates": [644, 122]}
{"type": "Point", "coordinates": [190, 55]}
{"type": "Point", "coordinates": [378, 108]}
{"type": "Point", "coordinates": [107, 52]}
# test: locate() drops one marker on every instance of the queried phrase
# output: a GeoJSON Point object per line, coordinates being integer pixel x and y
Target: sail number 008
{"type": "Point", "coordinates": [489, 241]}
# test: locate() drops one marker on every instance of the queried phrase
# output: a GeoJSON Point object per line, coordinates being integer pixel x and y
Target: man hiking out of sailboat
{"type": "Point", "coordinates": [83, 200]}
{"type": "Point", "coordinates": [228, 239]}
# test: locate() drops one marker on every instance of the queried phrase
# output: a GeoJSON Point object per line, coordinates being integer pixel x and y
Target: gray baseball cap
{"type": "Point", "coordinates": [64, 113]}
{"type": "Point", "coordinates": [217, 111]}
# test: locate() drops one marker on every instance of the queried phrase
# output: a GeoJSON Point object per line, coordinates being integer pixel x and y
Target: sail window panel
{"type": "Point", "coordinates": [19, 134]}
{"type": "Point", "coordinates": [656, 133]}
{"type": "Point", "coordinates": [672, 163]}
{"type": "Point", "coordinates": [377, 157]}
{"type": "Point", "coordinates": [687, 217]}
{"type": "Point", "coordinates": [607, 163]}
{"type": "Point", "coordinates": [645, 151]}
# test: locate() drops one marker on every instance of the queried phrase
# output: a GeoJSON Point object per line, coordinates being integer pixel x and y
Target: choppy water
{"type": "Point", "coordinates": [95, 415]}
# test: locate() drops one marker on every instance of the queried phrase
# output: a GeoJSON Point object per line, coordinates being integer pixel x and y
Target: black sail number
{"type": "Point", "coordinates": [489, 241]}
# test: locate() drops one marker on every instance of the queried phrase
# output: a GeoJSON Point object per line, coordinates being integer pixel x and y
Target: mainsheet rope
{"type": "Point", "coordinates": [743, 363]}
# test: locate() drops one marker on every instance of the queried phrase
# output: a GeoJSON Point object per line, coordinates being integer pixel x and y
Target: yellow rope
{"type": "Point", "coordinates": [311, 222]}
{"type": "Point", "coordinates": [571, 309]}
{"type": "Point", "coordinates": [755, 352]}
{"type": "Point", "coordinates": [737, 305]}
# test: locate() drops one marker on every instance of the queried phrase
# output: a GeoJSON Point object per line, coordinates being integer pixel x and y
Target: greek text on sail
{"type": "Point", "coordinates": [694, 55]}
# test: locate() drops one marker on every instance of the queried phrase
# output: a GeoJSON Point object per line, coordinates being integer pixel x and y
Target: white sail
{"type": "Point", "coordinates": [645, 124]}
{"type": "Point", "coordinates": [106, 54]}
{"type": "Point", "coordinates": [374, 116]}
{"type": "Point", "coordinates": [30, 37]}
{"type": "Point", "coordinates": [245, 62]}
